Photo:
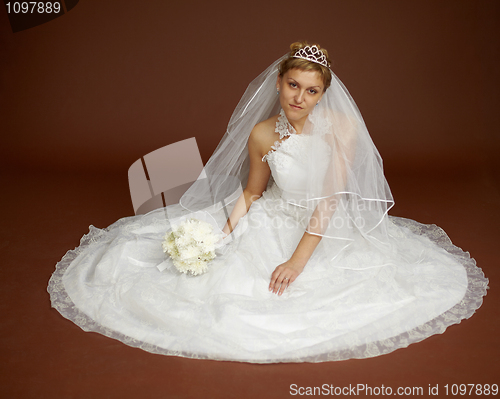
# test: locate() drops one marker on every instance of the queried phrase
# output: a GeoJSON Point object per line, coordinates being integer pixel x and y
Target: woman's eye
{"type": "Point", "coordinates": [312, 91]}
{"type": "Point", "coordinates": [293, 85]}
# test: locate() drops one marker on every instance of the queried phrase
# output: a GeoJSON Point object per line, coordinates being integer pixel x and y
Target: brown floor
{"type": "Point", "coordinates": [46, 356]}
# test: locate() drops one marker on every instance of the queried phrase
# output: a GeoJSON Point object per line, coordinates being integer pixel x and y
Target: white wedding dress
{"type": "Point", "coordinates": [363, 303]}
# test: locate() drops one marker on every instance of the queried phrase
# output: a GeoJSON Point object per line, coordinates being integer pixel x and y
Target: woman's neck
{"type": "Point", "coordinates": [298, 124]}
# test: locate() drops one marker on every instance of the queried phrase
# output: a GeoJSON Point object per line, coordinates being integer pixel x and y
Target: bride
{"type": "Point", "coordinates": [309, 267]}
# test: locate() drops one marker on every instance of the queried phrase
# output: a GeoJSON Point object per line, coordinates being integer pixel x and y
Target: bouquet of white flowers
{"type": "Point", "coordinates": [191, 245]}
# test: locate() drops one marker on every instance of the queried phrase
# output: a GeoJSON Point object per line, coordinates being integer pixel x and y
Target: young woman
{"type": "Point", "coordinates": [311, 268]}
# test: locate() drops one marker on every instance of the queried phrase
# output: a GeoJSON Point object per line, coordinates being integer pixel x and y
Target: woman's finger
{"type": "Point", "coordinates": [275, 277]}
{"type": "Point", "coordinates": [284, 284]}
{"type": "Point", "coordinates": [277, 283]}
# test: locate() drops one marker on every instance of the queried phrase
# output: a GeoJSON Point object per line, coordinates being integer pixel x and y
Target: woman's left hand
{"type": "Point", "coordinates": [284, 275]}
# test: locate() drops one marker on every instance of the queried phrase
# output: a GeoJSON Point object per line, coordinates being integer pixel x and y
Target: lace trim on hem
{"type": "Point", "coordinates": [472, 300]}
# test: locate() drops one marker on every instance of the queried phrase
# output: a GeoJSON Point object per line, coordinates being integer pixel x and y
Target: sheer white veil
{"type": "Point", "coordinates": [346, 185]}
{"type": "Point", "coordinates": [227, 169]}
{"type": "Point", "coordinates": [346, 191]}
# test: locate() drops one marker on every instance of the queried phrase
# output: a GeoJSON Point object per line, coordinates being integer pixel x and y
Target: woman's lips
{"type": "Point", "coordinates": [295, 106]}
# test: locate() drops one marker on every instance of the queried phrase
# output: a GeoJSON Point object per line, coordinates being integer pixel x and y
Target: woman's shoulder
{"type": "Point", "coordinates": [264, 131]}
{"type": "Point", "coordinates": [263, 135]}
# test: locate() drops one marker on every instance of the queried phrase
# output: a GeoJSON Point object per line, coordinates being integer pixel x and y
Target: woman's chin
{"type": "Point", "coordinates": [295, 114]}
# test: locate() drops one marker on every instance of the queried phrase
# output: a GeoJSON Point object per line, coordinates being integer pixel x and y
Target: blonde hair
{"type": "Point", "coordinates": [305, 65]}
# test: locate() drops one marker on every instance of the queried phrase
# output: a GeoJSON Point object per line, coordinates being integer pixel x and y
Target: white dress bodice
{"type": "Point", "coordinates": [288, 159]}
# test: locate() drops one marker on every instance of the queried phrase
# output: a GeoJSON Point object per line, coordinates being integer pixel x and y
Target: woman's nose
{"type": "Point", "coordinates": [300, 96]}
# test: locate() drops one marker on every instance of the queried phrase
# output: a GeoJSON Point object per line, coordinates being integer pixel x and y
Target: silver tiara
{"type": "Point", "coordinates": [313, 54]}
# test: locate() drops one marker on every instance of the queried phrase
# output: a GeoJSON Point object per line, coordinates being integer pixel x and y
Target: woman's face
{"type": "Point", "coordinates": [300, 91]}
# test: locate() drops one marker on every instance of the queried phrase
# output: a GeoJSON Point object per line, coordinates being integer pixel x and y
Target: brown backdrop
{"type": "Point", "coordinates": [88, 93]}
{"type": "Point", "coordinates": [111, 81]}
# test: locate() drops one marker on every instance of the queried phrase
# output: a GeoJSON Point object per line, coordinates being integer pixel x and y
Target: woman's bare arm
{"type": "Point", "coordinates": [257, 178]}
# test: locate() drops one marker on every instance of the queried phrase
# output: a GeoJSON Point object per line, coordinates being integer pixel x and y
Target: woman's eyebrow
{"type": "Point", "coordinates": [292, 79]}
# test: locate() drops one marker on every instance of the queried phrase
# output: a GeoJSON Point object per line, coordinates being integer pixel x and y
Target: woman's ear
{"type": "Point", "coordinates": [278, 82]}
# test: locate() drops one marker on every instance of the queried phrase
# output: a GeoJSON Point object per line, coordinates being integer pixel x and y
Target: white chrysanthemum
{"type": "Point", "coordinates": [190, 252]}
{"type": "Point", "coordinates": [191, 245]}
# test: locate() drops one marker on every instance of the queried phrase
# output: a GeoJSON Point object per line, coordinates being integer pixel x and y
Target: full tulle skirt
{"type": "Point", "coordinates": [360, 304]}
